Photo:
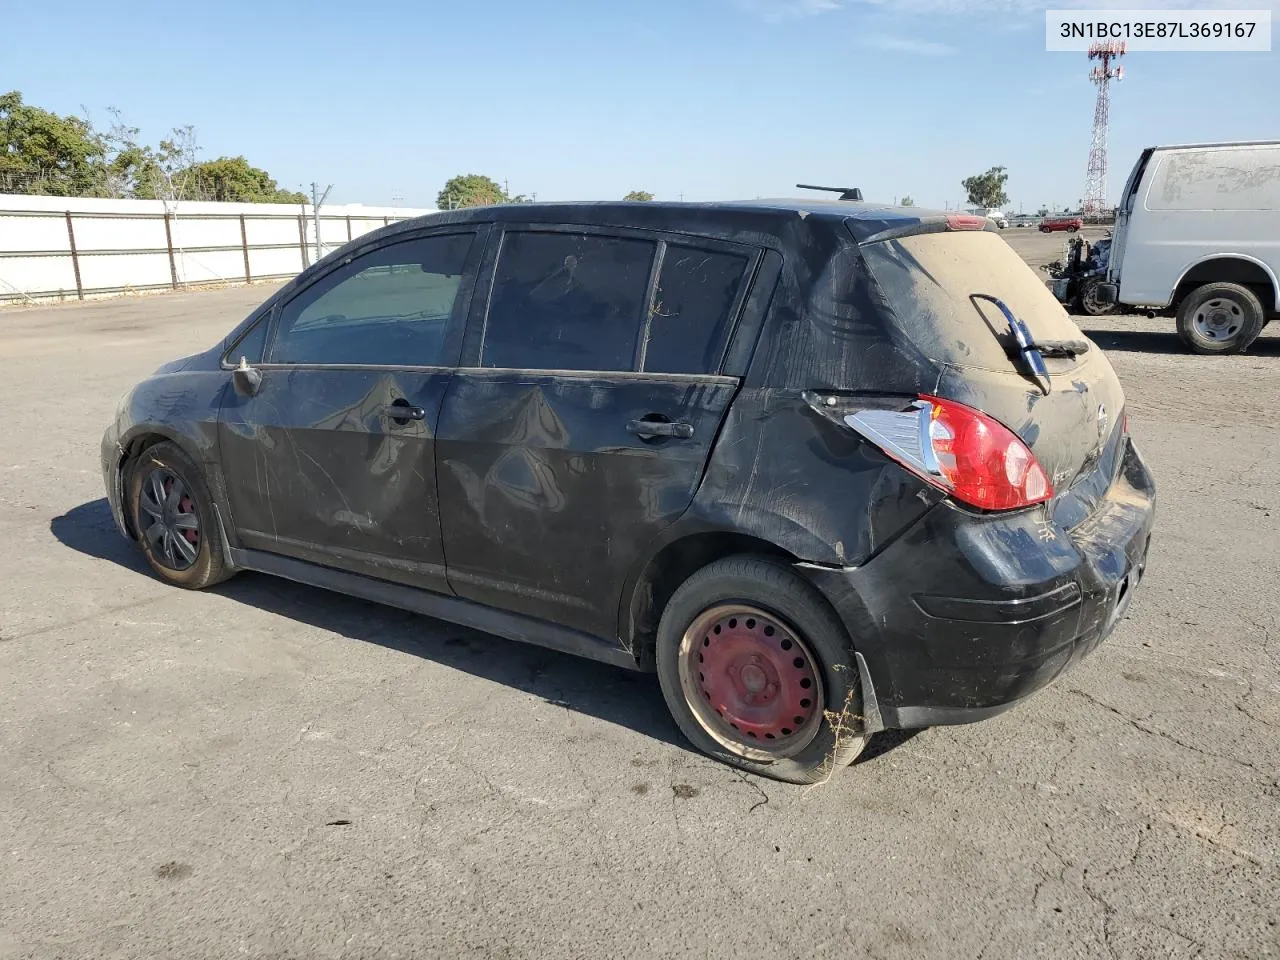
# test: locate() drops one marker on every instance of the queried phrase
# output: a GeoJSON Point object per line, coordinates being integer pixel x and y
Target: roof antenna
{"type": "Point", "coordinates": [846, 193]}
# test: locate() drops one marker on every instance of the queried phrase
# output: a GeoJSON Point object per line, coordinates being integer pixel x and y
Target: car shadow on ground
{"type": "Point", "coordinates": [631, 700]}
{"type": "Point", "coordinates": [1148, 341]}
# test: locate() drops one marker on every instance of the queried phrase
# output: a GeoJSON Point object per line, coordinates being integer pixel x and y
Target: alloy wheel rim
{"type": "Point", "coordinates": [751, 682]}
{"type": "Point", "coordinates": [170, 524]}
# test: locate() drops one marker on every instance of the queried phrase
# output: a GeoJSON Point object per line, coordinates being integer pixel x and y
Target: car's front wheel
{"type": "Point", "coordinates": [758, 672]}
{"type": "Point", "coordinates": [172, 514]}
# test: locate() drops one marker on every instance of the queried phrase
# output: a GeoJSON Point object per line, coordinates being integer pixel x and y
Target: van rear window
{"type": "Point", "coordinates": [931, 279]}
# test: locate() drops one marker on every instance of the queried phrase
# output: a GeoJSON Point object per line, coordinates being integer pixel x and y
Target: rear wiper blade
{"type": "Point", "coordinates": [1027, 348]}
{"type": "Point", "coordinates": [1061, 348]}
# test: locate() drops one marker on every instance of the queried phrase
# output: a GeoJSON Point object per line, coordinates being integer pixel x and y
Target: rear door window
{"type": "Point", "coordinates": [692, 309]}
{"type": "Point", "coordinates": [567, 301]}
{"type": "Point", "coordinates": [931, 280]}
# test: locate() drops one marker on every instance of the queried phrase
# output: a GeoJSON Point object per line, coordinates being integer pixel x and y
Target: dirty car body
{"type": "Point", "coordinates": [569, 411]}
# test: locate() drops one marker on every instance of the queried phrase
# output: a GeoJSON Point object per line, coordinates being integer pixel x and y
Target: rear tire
{"type": "Point", "coordinates": [1219, 318]}
{"type": "Point", "coordinates": [740, 645]}
{"type": "Point", "coordinates": [172, 513]}
{"type": "Point", "coordinates": [1088, 300]}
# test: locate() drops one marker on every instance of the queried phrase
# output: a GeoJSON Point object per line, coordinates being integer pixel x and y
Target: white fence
{"type": "Point", "coordinates": [67, 248]}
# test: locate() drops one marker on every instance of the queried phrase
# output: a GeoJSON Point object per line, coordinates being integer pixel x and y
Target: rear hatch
{"type": "Point", "coordinates": [939, 286]}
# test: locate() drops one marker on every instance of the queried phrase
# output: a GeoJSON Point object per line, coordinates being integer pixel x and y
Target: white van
{"type": "Point", "coordinates": [1198, 232]}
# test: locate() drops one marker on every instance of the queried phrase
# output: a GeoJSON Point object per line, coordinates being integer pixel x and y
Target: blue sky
{"type": "Point", "coordinates": [712, 99]}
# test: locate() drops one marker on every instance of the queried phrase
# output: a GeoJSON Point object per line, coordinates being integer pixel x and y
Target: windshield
{"type": "Point", "coordinates": [933, 281]}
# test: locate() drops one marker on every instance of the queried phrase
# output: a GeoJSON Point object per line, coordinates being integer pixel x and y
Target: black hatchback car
{"type": "Point", "coordinates": [827, 468]}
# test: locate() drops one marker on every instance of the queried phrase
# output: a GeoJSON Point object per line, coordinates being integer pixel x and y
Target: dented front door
{"type": "Point", "coordinates": [337, 467]}
{"type": "Point", "coordinates": [332, 460]}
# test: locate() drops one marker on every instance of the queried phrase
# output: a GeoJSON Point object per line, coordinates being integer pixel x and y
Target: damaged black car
{"type": "Point", "coordinates": [827, 468]}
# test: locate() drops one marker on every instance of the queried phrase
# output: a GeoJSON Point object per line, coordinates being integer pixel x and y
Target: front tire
{"type": "Point", "coordinates": [172, 514]}
{"type": "Point", "coordinates": [1219, 318]}
{"type": "Point", "coordinates": [755, 667]}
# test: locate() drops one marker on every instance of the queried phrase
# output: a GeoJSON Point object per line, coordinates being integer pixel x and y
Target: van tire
{"type": "Point", "coordinates": [1219, 318]}
{"type": "Point", "coordinates": [1088, 302]}
{"type": "Point", "coordinates": [768, 588]}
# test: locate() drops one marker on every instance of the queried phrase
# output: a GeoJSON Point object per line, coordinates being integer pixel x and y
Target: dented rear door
{"type": "Point", "coordinates": [584, 423]}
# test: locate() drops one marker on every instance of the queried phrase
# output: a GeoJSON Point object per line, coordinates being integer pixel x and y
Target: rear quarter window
{"type": "Point", "coordinates": [692, 309]}
{"type": "Point", "coordinates": [930, 281]}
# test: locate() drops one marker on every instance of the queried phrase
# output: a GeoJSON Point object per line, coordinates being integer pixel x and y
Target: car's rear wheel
{"type": "Point", "coordinates": [758, 672]}
{"type": "Point", "coordinates": [172, 514]}
{"type": "Point", "coordinates": [1219, 318]}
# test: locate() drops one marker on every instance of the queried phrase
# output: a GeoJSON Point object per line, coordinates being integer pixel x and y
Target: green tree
{"type": "Point", "coordinates": [907, 201]}
{"type": "Point", "coordinates": [125, 160]}
{"type": "Point", "coordinates": [471, 190]}
{"type": "Point", "coordinates": [41, 152]}
{"type": "Point", "coordinates": [987, 189]}
{"type": "Point", "coordinates": [1042, 212]}
{"type": "Point", "coordinates": [44, 153]}
{"type": "Point", "coordinates": [641, 196]}
{"type": "Point", "coordinates": [233, 179]}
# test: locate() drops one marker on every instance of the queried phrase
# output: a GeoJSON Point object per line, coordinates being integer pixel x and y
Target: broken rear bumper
{"type": "Point", "coordinates": [967, 614]}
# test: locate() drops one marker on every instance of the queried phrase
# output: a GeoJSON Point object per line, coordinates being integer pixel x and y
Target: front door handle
{"type": "Point", "coordinates": [660, 428]}
{"type": "Point", "coordinates": [402, 412]}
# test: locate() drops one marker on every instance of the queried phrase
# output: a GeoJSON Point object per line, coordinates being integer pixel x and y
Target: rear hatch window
{"type": "Point", "coordinates": [931, 278]}
{"type": "Point", "coordinates": [935, 285]}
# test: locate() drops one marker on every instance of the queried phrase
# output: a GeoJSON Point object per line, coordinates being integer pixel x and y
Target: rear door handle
{"type": "Point", "coordinates": [402, 412]}
{"type": "Point", "coordinates": [660, 428]}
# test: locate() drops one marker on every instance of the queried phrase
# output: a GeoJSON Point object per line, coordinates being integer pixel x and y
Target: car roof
{"type": "Point", "coordinates": [1223, 143]}
{"type": "Point", "coordinates": [769, 216]}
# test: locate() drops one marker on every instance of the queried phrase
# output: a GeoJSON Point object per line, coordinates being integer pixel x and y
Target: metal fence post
{"type": "Point", "coordinates": [75, 257]}
{"type": "Point", "coordinates": [168, 242]}
{"type": "Point", "coordinates": [348, 228]}
{"type": "Point", "coordinates": [244, 245]}
{"type": "Point", "coordinates": [302, 240]}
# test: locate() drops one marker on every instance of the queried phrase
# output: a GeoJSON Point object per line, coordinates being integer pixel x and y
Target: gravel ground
{"type": "Point", "coordinates": [268, 770]}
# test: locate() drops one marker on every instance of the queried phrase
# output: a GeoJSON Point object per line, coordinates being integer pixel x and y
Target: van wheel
{"type": "Point", "coordinates": [172, 512]}
{"type": "Point", "coordinates": [758, 672]}
{"type": "Point", "coordinates": [1219, 318]}
{"type": "Point", "coordinates": [1089, 304]}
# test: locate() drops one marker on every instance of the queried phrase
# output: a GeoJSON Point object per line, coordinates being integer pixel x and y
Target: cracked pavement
{"type": "Point", "coordinates": [267, 770]}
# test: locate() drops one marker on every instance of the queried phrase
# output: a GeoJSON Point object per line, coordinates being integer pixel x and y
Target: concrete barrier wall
{"type": "Point", "coordinates": [69, 248]}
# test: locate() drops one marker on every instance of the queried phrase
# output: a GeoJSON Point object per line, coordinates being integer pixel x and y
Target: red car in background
{"type": "Point", "coordinates": [1069, 224]}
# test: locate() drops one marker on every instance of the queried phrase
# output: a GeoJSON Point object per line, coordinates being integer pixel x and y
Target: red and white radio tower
{"type": "Point", "coordinates": [1095, 187]}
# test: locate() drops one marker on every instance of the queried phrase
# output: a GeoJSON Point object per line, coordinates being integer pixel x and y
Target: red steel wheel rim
{"type": "Point", "coordinates": [751, 681]}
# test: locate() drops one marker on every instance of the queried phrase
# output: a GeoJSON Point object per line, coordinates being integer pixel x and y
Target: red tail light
{"type": "Point", "coordinates": [965, 221]}
{"type": "Point", "coordinates": [974, 458]}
